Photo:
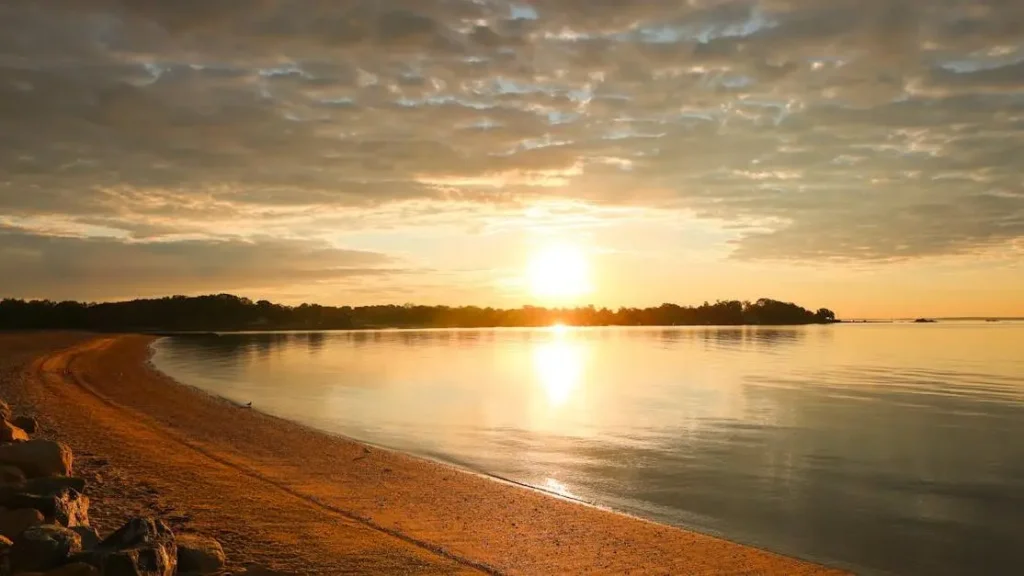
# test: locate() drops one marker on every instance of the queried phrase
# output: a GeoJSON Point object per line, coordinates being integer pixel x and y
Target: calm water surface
{"type": "Point", "coordinates": [893, 448]}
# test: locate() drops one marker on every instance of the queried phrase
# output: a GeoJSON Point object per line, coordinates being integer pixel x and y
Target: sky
{"type": "Point", "coordinates": [862, 155]}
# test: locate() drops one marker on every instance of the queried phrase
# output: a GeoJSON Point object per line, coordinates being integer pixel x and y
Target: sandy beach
{"type": "Point", "coordinates": [279, 494]}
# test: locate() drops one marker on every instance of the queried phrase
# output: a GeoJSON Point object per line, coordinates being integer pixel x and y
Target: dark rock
{"type": "Point", "coordinates": [199, 555]}
{"type": "Point", "coordinates": [90, 537]}
{"type": "Point", "coordinates": [138, 531]}
{"type": "Point", "coordinates": [14, 522]}
{"type": "Point", "coordinates": [5, 552]}
{"type": "Point", "coordinates": [26, 423]}
{"type": "Point", "coordinates": [11, 475]}
{"type": "Point", "coordinates": [65, 506]}
{"type": "Point", "coordinates": [38, 458]}
{"type": "Point", "coordinates": [149, 561]}
{"type": "Point", "coordinates": [43, 548]}
{"type": "Point", "coordinates": [11, 433]}
{"type": "Point", "coordinates": [76, 569]}
{"type": "Point", "coordinates": [142, 547]}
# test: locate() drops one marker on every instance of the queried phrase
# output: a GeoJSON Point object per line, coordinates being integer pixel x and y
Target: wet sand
{"type": "Point", "coordinates": [277, 493]}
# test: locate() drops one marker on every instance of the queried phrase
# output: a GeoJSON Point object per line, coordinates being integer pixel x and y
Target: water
{"type": "Point", "coordinates": [890, 448]}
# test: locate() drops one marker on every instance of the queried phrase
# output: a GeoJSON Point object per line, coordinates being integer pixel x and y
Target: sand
{"type": "Point", "coordinates": [279, 494]}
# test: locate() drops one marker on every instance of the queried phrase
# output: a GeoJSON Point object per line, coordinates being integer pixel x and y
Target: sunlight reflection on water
{"type": "Point", "coordinates": [559, 366]}
{"type": "Point", "coordinates": [552, 485]}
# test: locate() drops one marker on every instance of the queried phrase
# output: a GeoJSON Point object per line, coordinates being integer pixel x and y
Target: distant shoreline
{"type": "Point", "coordinates": [227, 312]}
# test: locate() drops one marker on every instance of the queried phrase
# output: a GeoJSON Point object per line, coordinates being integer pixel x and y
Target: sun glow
{"type": "Point", "coordinates": [559, 272]}
{"type": "Point", "coordinates": [559, 368]}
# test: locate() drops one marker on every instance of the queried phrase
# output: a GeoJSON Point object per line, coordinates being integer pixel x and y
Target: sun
{"type": "Point", "coordinates": [559, 272]}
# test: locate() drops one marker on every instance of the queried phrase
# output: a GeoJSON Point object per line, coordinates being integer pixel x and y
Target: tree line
{"type": "Point", "coordinates": [224, 312]}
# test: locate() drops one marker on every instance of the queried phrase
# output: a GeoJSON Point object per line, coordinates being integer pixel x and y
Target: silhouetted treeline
{"type": "Point", "coordinates": [226, 312]}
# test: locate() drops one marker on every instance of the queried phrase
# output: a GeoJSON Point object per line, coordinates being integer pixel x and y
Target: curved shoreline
{"type": "Point", "coordinates": [286, 495]}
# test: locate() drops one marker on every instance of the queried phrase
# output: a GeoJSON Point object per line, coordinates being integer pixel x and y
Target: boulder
{"type": "Point", "coordinates": [90, 537]}
{"type": "Point", "coordinates": [11, 475]}
{"type": "Point", "coordinates": [65, 506]}
{"type": "Point", "coordinates": [43, 548]}
{"type": "Point", "coordinates": [11, 433]}
{"type": "Point", "coordinates": [142, 547]}
{"type": "Point", "coordinates": [38, 457]}
{"type": "Point", "coordinates": [199, 555]}
{"type": "Point", "coordinates": [26, 423]}
{"type": "Point", "coordinates": [14, 522]}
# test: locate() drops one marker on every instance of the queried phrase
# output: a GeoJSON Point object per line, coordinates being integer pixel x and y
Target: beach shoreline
{"type": "Point", "coordinates": [308, 502]}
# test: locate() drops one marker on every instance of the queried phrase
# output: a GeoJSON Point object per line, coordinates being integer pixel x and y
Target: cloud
{"type": "Point", "coordinates": [860, 129]}
{"type": "Point", "coordinates": [65, 266]}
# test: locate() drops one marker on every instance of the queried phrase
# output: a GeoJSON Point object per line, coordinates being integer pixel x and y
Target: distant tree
{"type": "Point", "coordinates": [224, 312]}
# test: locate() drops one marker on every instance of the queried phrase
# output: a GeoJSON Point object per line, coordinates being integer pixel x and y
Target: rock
{"type": "Point", "coordinates": [38, 457]}
{"type": "Point", "coordinates": [11, 475]}
{"type": "Point", "coordinates": [65, 506]}
{"type": "Point", "coordinates": [14, 522]}
{"type": "Point", "coordinates": [76, 569]}
{"type": "Point", "coordinates": [90, 537]}
{"type": "Point", "coordinates": [199, 555]}
{"type": "Point", "coordinates": [5, 552]}
{"type": "Point", "coordinates": [26, 423]}
{"type": "Point", "coordinates": [142, 547]}
{"type": "Point", "coordinates": [136, 562]}
{"type": "Point", "coordinates": [5, 410]}
{"type": "Point", "coordinates": [43, 548]}
{"type": "Point", "coordinates": [11, 433]}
